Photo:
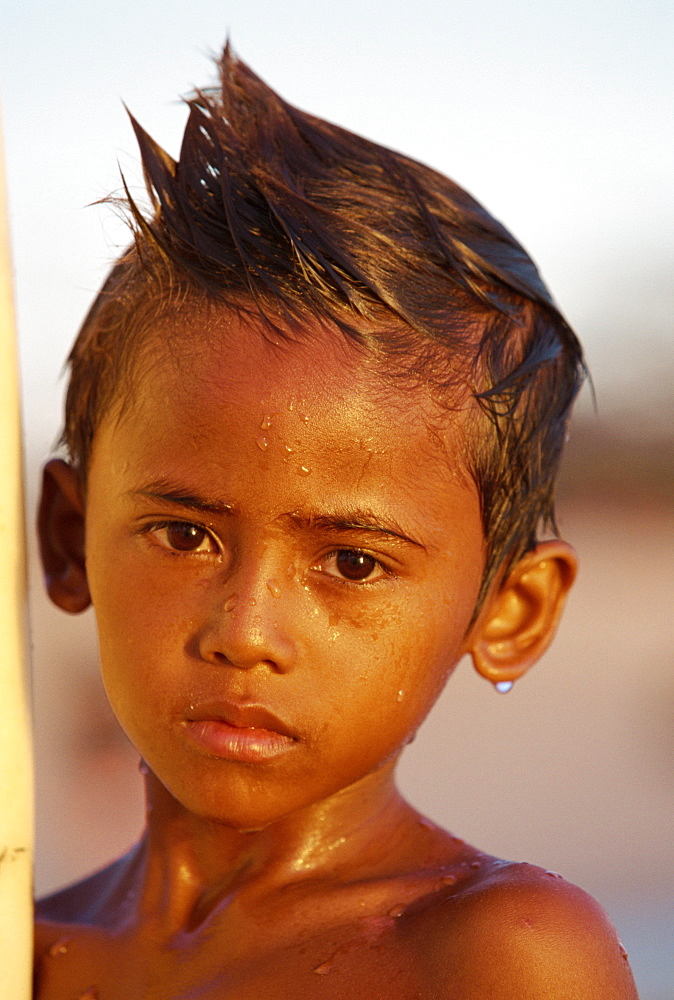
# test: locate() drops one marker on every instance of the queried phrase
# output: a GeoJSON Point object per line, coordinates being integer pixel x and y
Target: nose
{"type": "Point", "coordinates": [250, 623]}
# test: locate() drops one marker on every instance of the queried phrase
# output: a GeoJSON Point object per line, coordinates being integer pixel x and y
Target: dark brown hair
{"type": "Point", "coordinates": [273, 210]}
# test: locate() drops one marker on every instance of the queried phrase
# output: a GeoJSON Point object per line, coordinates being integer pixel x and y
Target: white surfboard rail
{"type": "Point", "coordinates": [16, 775]}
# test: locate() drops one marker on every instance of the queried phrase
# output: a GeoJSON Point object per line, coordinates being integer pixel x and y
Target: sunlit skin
{"type": "Point", "coordinates": [284, 554]}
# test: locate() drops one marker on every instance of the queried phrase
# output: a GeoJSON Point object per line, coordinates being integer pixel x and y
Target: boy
{"type": "Point", "coordinates": [313, 422]}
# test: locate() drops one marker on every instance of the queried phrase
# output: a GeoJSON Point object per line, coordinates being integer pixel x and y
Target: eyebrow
{"type": "Point", "coordinates": [164, 491]}
{"type": "Point", "coordinates": [353, 520]}
{"type": "Point", "coordinates": [340, 521]}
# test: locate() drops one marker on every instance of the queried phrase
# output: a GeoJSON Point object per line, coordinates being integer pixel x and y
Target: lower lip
{"type": "Point", "coordinates": [219, 739]}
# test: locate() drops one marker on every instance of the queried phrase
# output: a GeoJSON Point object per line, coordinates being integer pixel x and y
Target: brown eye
{"type": "Point", "coordinates": [184, 537]}
{"type": "Point", "coordinates": [354, 565]}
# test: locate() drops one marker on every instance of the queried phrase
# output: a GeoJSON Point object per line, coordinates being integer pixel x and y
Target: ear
{"type": "Point", "coordinates": [60, 527]}
{"type": "Point", "coordinates": [520, 617]}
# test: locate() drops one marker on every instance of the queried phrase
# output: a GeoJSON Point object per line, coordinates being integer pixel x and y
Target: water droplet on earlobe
{"type": "Point", "coordinates": [503, 686]}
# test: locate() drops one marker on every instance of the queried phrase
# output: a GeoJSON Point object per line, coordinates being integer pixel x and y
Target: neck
{"type": "Point", "coordinates": [186, 865]}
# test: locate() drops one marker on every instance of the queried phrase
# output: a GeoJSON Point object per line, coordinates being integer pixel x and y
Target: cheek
{"type": "Point", "coordinates": [141, 629]}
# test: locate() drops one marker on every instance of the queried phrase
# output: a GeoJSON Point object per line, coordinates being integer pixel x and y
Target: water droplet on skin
{"type": "Point", "coordinates": [252, 602]}
{"type": "Point", "coordinates": [304, 470]}
{"type": "Point", "coordinates": [59, 947]}
{"type": "Point", "coordinates": [323, 968]}
{"type": "Point", "coordinates": [554, 874]}
{"type": "Point", "coordinates": [262, 443]}
{"type": "Point", "coordinates": [475, 864]}
{"type": "Point", "coordinates": [286, 447]}
{"type": "Point", "coordinates": [229, 603]}
{"type": "Point", "coordinates": [623, 951]}
{"type": "Point", "coordinates": [400, 695]}
{"type": "Point", "coordinates": [304, 418]}
{"type": "Point", "coordinates": [396, 911]}
{"type": "Point", "coordinates": [503, 686]}
{"type": "Point", "coordinates": [448, 879]}
{"type": "Point", "coordinates": [142, 767]}
{"type": "Point", "coordinates": [266, 423]}
{"type": "Point", "coordinates": [274, 588]}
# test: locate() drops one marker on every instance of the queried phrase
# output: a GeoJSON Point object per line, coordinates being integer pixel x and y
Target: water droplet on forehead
{"type": "Point", "coordinates": [288, 449]}
{"type": "Point", "coordinates": [274, 588]}
{"type": "Point", "coordinates": [262, 443]}
{"type": "Point", "coordinates": [304, 470]}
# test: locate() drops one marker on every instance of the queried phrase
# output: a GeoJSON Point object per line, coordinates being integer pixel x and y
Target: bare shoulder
{"type": "Point", "coordinates": [517, 932]}
{"type": "Point", "coordinates": [83, 901]}
{"type": "Point", "coordinates": [79, 911]}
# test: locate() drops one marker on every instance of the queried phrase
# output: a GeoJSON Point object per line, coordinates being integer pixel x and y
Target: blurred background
{"type": "Point", "coordinates": [559, 117]}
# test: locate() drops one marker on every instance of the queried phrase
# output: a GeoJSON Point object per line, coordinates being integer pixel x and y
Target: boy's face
{"type": "Point", "coordinates": [284, 556]}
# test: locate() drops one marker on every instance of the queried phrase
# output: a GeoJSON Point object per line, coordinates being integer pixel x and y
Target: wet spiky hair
{"type": "Point", "coordinates": [271, 209]}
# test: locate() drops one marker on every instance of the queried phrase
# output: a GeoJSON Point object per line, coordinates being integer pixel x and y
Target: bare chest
{"type": "Point", "coordinates": [377, 957]}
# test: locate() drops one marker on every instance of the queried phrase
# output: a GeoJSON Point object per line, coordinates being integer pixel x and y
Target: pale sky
{"type": "Point", "coordinates": [558, 116]}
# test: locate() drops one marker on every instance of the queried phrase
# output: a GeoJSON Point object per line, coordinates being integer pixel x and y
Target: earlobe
{"type": "Point", "coordinates": [519, 619]}
{"type": "Point", "coordinates": [60, 526]}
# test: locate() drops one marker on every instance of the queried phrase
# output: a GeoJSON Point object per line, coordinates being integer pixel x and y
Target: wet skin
{"type": "Point", "coordinates": [284, 554]}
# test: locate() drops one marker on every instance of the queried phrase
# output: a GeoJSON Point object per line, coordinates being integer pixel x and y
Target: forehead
{"type": "Point", "coordinates": [212, 358]}
{"type": "Point", "coordinates": [316, 417]}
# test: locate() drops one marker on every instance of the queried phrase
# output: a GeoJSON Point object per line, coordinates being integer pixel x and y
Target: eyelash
{"type": "Point", "coordinates": [378, 565]}
{"type": "Point", "coordinates": [155, 526]}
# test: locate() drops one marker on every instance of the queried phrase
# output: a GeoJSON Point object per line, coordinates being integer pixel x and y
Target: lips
{"type": "Point", "coordinates": [245, 733]}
